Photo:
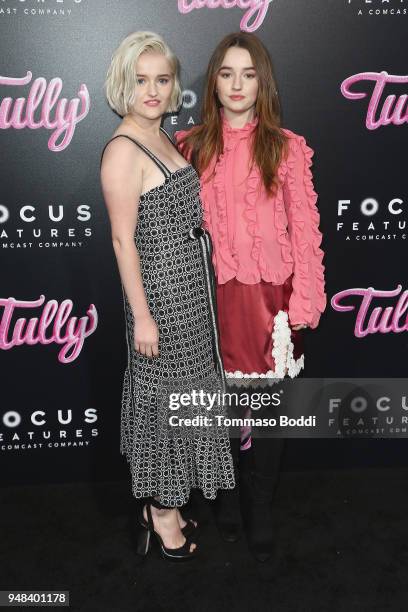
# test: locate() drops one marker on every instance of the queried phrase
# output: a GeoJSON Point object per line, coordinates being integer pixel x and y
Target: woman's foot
{"type": "Point", "coordinates": [261, 534]}
{"type": "Point", "coordinates": [166, 524]}
{"type": "Point", "coordinates": [261, 531]}
{"type": "Point", "coordinates": [182, 521]}
{"type": "Point", "coordinates": [228, 514]}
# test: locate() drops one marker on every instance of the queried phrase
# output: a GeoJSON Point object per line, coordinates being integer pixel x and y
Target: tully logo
{"type": "Point", "coordinates": [253, 18]}
{"type": "Point", "coordinates": [43, 97]}
{"type": "Point", "coordinates": [392, 110]}
{"type": "Point", "coordinates": [53, 326]}
{"type": "Point", "coordinates": [383, 320]}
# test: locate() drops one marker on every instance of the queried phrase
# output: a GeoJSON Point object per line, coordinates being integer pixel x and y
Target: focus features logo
{"type": "Point", "coordinates": [39, 429]}
{"type": "Point", "coordinates": [186, 117]}
{"type": "Point", "coordinates": [371, 220]}
{"type": "Point", "coordinates": [379, 8]}
{"type": "Point", "coordinates": [39, 8]}
{"type": "Point", "coordinates": [53, 227]}
{"type": "Point", "coordinates": [368, 415]}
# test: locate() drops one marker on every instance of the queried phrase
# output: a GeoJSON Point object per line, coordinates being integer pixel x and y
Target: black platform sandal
{"type": "Point", "coordinates": [182, 553]}
{"type": "Point", "coordinates": [191, 527]}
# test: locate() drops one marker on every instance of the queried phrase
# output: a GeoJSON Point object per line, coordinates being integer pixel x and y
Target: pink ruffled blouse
{"type": "Point", "coordinates": [256, 236]}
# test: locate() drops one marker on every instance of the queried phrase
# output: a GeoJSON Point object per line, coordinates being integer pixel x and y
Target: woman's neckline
{"type": "Point", "coordinates": [249, 126]}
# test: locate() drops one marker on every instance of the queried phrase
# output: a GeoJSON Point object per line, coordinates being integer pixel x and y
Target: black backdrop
{"type": "Point", "coordinates": [315, 45]}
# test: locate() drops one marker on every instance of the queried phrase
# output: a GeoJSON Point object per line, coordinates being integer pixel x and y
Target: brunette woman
{"type": "Point", "coordinates": [260, 209]}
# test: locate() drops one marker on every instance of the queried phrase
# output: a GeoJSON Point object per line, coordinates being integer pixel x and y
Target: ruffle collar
{"type": "Point", "coordinates": [233, 132]}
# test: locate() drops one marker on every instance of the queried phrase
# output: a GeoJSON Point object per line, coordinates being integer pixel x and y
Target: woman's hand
{"type": "Point", "coordinates": [146, 336]}
{"type": "Point", "coordinates": [299, 326]}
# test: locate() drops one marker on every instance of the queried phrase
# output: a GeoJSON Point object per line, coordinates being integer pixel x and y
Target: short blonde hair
{"type": "Point", "coordinates": [121, 78]}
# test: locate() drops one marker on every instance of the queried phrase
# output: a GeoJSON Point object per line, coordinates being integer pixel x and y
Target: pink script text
{"type": "Point", "coordinates": [35, 330]}
{"type": "Point", "coordinates": [20, 113]}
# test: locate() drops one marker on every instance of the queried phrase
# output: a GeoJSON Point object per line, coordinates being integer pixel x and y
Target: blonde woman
{"type": "Point", "coordinates": [152, 199]}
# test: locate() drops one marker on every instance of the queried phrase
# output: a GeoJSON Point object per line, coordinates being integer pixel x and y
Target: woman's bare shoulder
{"type": "Point", "coordinates": [121, 152]}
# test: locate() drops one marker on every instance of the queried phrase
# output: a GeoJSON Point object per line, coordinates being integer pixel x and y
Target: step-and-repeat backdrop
{"type": "Point", "coordinates": [343, 82]}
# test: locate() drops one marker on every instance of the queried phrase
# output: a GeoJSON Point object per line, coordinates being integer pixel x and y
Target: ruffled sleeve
{"type": "Point", "coordinates": [308, 299]}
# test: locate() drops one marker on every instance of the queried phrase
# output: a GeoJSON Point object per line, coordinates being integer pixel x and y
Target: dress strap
{"type": "Point", "coordinates": [152, 156]}
{"type": "Point", "coordinates": [170, 138]}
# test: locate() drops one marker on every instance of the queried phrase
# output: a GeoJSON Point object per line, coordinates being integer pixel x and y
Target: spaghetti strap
{"type": "Point", "coordinates": [169, 138]}
{"type": "Point", "coordinates": [152, 156]}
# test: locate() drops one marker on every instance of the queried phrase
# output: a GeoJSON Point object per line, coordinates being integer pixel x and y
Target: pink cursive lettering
{"type": "Point", "coordinates": [35, 330]}
{"type": "Point", "coordinates": [383, 320]}
{"type": "Point", "coordinates": [254, 17]}
{"type": "Point", "coordinates": [20, 113]}
{"type": "Point", "coordinates": [394, 110]}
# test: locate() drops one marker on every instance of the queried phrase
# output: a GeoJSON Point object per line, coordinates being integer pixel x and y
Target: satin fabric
{"type": "Point", "coordinates": [246, 320]}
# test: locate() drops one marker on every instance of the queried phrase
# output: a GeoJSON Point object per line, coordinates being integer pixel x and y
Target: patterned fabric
{"type": "Point", "coordinates": [174, 279]}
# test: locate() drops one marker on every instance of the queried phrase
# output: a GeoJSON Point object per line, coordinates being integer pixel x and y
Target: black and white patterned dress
{"type": "Point", "coordinates": [177, 278]}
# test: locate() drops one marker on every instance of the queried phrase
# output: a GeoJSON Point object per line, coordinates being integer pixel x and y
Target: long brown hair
{"type": "Point", "coordinates": [269, 143]}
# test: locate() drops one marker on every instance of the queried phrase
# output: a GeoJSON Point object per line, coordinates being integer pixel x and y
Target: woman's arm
{"type": "Point", "coordinates": [121, 179]}
{"type": "Point", "coordinates": [308, 299]}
